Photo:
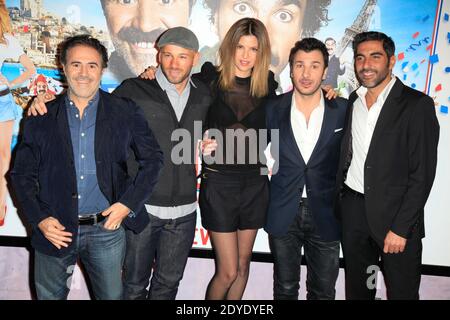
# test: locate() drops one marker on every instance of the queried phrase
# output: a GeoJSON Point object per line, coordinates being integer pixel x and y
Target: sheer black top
{"type": "Point", "coordinates": [233, 110]}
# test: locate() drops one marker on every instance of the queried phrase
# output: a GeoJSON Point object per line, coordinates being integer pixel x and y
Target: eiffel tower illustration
{"type": "Point", "coordinates": [361, 24]}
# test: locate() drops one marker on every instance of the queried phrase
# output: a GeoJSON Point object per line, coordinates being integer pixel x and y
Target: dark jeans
{"type": "Point", "coordinates": [163, 245]}
{"type": "Point", "coordinates": [322, 260]}
{"type": "Point", "coordinates": [102, 253]}
{"type": "Point", "coordinates": [402, 271]}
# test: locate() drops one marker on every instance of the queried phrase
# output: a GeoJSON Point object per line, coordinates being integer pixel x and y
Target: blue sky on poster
{"type": "Point", "coordinates": [400, 20]}
{"type": "Point", "coordinates": [91, 13]}
{"type": "Point", "coordinates": [397, 17]}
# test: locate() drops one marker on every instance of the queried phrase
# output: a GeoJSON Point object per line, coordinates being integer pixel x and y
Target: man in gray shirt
{"type": "Point", "coordinates": [171, 101]}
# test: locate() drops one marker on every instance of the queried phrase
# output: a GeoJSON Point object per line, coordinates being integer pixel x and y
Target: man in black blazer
{"type": "Point", "coordinates": [301, 212]}
{"type": "Point", "coordinates": [70, 177]}
{"type": "Point", "coordinates": [386, 170]}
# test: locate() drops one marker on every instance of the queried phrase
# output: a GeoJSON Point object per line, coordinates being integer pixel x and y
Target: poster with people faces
{"type": "Point", "coordinates": [130, 28]}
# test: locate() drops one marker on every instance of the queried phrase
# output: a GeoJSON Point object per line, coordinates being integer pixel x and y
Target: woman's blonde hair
{"type": "Point", "coordinates": [5, 23]}
{"type": "Point", "coordinates": [245, 27]}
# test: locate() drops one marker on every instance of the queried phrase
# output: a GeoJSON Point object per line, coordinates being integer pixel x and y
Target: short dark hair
{"type": "Point", "coordinates": [308, 45]}
{"type": "Point", "coordinates": [83, 40]}
{"type": "Point", "coordinates": [191, 4]}
{"type": "Point", "coordinates": [388, 43]}
{"type": "Point", "coordinates": [316, 14]}
{"type": "Point", "coordinates": [329, 39]}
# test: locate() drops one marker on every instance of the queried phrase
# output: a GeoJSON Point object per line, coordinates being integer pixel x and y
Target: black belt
{"type": "Point", "coordinates": [4, 92]}
{"type": "Point", "coordinates": [346, 188]}
{"type": "Point", "coordinates": [90, 219]}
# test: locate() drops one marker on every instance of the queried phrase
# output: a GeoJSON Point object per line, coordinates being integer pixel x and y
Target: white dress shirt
{"type": "Point", "coordinates": [307, 134]}
{"type": "Point", "coordinates": [364, 121]}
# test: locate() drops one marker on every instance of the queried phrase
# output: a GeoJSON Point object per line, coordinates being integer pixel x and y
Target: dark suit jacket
{"type": "Point", "coordinates": [318, 175]}
{"type": "Point", "coordinates": [334, 70]}
{"type": "Point", "coordinates": [44, 177]}
{"type": "Point", "coordinates": [400, 165]}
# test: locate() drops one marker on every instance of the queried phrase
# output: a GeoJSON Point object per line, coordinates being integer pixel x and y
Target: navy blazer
{"type": "Point", "coordinates": [318, 175]}
{"type": "Point", "coordinates": [44, 177]}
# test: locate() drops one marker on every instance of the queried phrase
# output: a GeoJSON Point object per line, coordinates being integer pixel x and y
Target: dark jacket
{"type": "Point", "coordinates": [400, 165]}
{"type": "Point", "coordinates": [44, 177]}
{"type": "Point", "coordinates": [318, 175]}
{"type": "Point", "coordinates": [334, 70]}
{"type": "Point", "coordinates": [178, 183]}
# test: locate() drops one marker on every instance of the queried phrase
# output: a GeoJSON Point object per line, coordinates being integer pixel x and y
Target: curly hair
{"type": "Point", "coordinates": [316, 14]}
{"type": "Point", "coordinates": [316, 17]}
{"type": "Point", "coordinates": [82, 40]}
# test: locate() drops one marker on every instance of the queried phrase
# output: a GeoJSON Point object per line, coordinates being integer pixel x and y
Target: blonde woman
{"type": "Point", "coordinates": [9, 49]}
{"type": "Point", "coordinates": [234, 194]}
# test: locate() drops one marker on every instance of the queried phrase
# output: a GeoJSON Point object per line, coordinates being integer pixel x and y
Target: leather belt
{"type": "Point", "coordinates": [4, 92]}
{"type": "Point", "coordinates": [90, 219]}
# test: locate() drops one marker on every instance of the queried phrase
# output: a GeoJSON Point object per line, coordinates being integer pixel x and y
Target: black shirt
{"type": "Point", "coordinates": [230, 111]}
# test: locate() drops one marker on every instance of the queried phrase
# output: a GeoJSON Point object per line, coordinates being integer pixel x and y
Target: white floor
{"type": "Point", "coordinates": [259, 287]}
{"type": "Point", "coordinates": [14, 280]}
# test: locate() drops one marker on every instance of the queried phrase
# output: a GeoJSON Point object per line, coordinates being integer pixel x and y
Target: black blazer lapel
{"type": "Point", "coordinates": [346, 144]}
{"type": "Point", "coordinates": [102, 128]}
{"type": "Point", "coordinates": [286, 132]}
{"type": "Point", "coordinates": [346, 155]}
{"type": "Point", "coordinates": [387, 113]}
{"type": "Point", "coordinates": [330, 118]}
{"type": "Point", "coordinates": [63, 127]}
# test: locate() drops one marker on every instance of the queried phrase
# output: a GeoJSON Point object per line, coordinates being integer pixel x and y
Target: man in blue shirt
{"type": "Point", "coordinates": [70, 176]}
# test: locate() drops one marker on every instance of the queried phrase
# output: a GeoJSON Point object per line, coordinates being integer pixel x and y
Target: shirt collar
{"type": "Point", "coordinates": [166, 85]}
{"type": "Point", "coordinates": [92, 102]}
{"type": "Point", "coordinates": [362, 91]}
{"type": "Point", "coordinates": [320, 106]}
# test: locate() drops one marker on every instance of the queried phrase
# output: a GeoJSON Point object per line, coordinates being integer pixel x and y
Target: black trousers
{"type": "Point", "coordinates": [401, 271]}
{"type": "Point", "coordinates": [322, 259]}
